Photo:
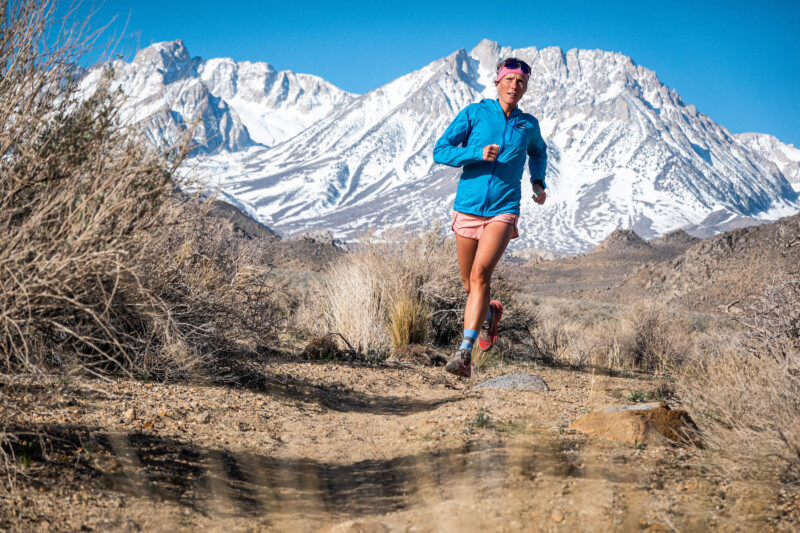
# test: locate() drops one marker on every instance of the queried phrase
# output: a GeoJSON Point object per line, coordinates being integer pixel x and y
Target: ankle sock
{"type": "Point", "coordinates": [489, 314]}
{"type": "Point", "coordinates": [470, 336]}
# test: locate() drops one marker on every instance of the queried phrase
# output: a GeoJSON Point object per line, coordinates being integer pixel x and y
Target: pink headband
{"type": "Point", "coordinates": [506, 70]}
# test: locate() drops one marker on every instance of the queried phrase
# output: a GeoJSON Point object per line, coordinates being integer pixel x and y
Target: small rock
{"type": "Point", "coordinates": [203, 418]}
{"type": "Point", "coordinates": [557, 517]}
{"type": "Point", "coordinates": [520, 381]}
{"type": "Point", "coordinates": [129, 415]}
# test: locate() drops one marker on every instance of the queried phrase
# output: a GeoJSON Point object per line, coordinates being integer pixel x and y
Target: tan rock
{"type": "Point", "coordinates": [652, 424]}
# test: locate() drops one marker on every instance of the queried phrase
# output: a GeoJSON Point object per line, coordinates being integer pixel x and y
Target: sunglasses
{"type": "Point", "coordinates": [513, 63]}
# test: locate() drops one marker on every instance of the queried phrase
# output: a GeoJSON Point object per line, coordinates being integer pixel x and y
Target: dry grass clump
{"type": "Point", "coordinates": [408, 320]}
{"type": "Point", "coordinates": [404, 288]}
{"type": "Point", "coordinates": [745, 392]}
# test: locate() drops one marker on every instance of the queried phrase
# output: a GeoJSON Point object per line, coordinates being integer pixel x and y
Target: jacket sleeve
{"type": "Point", "coordinates": [451, 149]}
{"type": "Point", "coordinates": [537, 157]}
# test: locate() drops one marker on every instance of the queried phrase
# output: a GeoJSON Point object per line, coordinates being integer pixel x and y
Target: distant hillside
{"type": "Point", "coordinates": [622, 241]}
{"type": "Point", "coordinates": [720, 270]}
{"type": "Point", "coordinates": [593, 275]}
{"type": "Point", "coordinates": [312, 253]}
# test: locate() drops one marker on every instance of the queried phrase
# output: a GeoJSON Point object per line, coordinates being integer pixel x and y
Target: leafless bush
{"type": "Point", "coordinates": [745, 394]}
{"type": "Point", "coordinates": [73, 189]}
{"type": "Point", "coordinates": [659, 337]}
{"type": "Point", "coordinates": [215, 290]}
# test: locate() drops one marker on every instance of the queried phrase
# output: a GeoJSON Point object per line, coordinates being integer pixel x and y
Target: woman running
{"type": "Point", "coordinates": [490, 139]}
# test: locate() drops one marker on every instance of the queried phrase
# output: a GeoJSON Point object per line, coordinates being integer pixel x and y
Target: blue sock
{"type": "Point", "coordinates": [470, 336]}
{"type": "Point", "coordinates": [489, 315]}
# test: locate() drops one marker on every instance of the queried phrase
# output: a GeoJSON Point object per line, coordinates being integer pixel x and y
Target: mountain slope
{"type": "Point", "coordinates": [785, 156]}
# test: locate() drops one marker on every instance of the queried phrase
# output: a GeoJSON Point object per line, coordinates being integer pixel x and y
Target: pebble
{"type": "Point", "coordinates": [557, 517]}
{"type": "Point", "coordinates": [129, 415]}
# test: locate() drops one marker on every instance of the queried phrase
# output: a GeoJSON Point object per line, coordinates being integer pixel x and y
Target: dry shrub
{"type": "Point", "coordinates": [74, 188]}
{"type": "Point", "coordinates": [745, 392]}
{"type": "Point", "coordinates": [390, 292]}
{"type": "Point", "coordinates": [215, 290]}
{"type": "Point", "coordinates": [647, 336]}
{"type": "Point", "coordinates": [658, 337]}
{"type": "Point", "coordinates": [104, 266]}
{"type": "Point", "coordinates": [321, 348]}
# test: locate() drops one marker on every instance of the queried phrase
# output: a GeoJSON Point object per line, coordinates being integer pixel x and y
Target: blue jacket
{"type": "Point", "coordinates": [489, 188]}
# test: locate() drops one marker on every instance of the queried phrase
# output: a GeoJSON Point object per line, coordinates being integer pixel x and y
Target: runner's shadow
{"type": "Point", "coordinates": [247, 371]}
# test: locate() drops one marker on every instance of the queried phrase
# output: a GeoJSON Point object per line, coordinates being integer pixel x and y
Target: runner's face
{"type": "Point", "coordinates": [511, 88]}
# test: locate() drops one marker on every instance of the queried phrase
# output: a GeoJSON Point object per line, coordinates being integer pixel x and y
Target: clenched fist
{"type": "Point", "coordinates": [539, 195]}
{"type": "Point", "coordinates": [490, 152]}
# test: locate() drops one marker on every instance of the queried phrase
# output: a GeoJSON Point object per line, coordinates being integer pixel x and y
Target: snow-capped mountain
{"type": "Point", "coordinates": [624, 150]}
{"type": "Point", "coordinates": [785, 156]}
{"type": "Point", "coordinates": [231, 105]}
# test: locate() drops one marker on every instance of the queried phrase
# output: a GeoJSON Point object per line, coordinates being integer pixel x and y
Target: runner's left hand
{"type": "Point", "coordinates": [539, 195]}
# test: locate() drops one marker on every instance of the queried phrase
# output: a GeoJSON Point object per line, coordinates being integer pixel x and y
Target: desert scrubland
{"type": "Point", "coordinates": [168, 364]}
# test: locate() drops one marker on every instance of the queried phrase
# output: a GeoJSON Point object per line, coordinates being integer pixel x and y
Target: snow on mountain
{"type": "Point", "coordinates": [232, 105]}
{"type": "Point", "coordinates": [785, 156]}
{"type": "Point", "coordinates": [624, 152]}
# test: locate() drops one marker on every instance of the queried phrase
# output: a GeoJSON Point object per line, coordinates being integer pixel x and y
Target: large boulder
{"type": "Point", "coordinates": [652, 424]}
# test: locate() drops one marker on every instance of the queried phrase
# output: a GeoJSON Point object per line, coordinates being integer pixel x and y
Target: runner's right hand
{"type": "Point", "coordinates": [490, 152]}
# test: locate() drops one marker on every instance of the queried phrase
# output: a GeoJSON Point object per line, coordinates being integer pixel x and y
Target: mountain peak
{"type": "Point", "coordinates": [485, 48]}
{"type": "Point", "coordinates": [170, 57]}
{"type": "Point", "coordinates": [620, 241]}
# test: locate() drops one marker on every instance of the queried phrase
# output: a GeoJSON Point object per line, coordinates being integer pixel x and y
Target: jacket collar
{"type": "Point", "coordinates": [499, 109]}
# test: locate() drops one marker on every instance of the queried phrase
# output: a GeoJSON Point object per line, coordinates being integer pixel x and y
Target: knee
{"type": "Point", "coordinates": [480, 275]}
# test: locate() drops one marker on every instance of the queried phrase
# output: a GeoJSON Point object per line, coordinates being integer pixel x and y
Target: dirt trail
{"type": "Point", "coordinates": [359, 448]}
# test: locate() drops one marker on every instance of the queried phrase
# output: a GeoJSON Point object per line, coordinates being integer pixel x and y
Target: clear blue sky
{"type": "Point", "coordinates": [737, 61]}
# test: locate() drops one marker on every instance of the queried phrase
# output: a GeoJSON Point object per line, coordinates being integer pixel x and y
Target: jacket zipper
{"type": "Point", "coordinates": [494, 166]}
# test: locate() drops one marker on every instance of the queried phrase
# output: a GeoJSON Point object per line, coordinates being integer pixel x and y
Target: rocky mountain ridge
{"type": "Point", "coordinates": [231, 106]}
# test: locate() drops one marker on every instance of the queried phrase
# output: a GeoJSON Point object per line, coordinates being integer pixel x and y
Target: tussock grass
{"type": "Point", "coordinates": [401, 289]}
{"type": "Point", "coordinates": [408, 320]}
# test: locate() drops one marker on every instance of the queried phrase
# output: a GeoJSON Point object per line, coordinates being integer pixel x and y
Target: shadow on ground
{"type": "Point", "coordinates": [272, 488]}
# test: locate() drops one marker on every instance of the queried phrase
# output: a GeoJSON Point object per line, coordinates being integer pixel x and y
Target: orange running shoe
{"type": "Point", "coordinates": [489, 331]}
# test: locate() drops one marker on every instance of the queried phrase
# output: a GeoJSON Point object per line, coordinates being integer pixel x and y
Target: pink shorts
{"type": "Point", "coordinates": [471, 226]}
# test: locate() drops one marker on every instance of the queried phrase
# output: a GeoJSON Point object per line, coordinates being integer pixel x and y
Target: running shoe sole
{"type": "Point", "coordinates": [458, 368]}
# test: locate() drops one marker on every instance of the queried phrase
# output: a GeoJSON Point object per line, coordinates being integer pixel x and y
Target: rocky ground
{"type": "Point", "coordinates": [304, 446]}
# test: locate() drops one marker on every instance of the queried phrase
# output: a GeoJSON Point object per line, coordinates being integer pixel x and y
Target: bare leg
{"type": "Point", "coordinates": [466, 256]}
{"type": "Point", "coordinates": [492, 244]}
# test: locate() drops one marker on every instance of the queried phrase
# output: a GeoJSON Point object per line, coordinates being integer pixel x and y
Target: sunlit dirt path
{"type": "Point", "coordinates": [310, 446]}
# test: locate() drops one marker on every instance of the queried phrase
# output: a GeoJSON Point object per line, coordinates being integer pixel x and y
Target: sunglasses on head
{"type": "Point", "coordinates": [513, 63]}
